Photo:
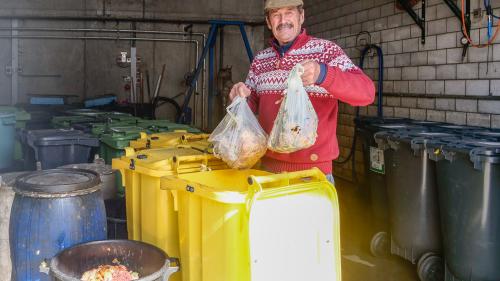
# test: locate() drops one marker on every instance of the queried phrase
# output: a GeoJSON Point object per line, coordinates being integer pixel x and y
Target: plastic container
{"type": "Point", "coordinates": [468, 177]}
{"type": "Point", "coordinates": [99, 101]}
{"type": "Point", "coordinates": [455, 129]}
{"type": "Point", "coordinates": [158, 126]}
{"type": "Point", "coordinates": [53, 210]}
{"type": "Point", "coordinates": [151, 217]}
{"type": "Point", "coordinates": [252, 225]}
{"type": "Point", "coordinates": [493, 135]}
{"type": "Point", "coordinates": [6, 197]}
{"type": "Point", "coordinates": [85, 112]}
{"type": "Point", "coordinates": [22, 117]}
{"type": "Point", "coordinates": [67, 122]}
{"type": "Point", "coordinates": [151, 263]}
{"type": "Point", "coordinates": [415, 232]}
{"type": "Point", "coordinates": [165, 140]}
{"type": "Point", "coordinates": [107, 175]}
{"type": "Point", "coordinates": [117, 117]}
{"type": "Point", "coordinates": [375, 186]}
{"type": "Point", "coordinates": [7, 141]}
{"type": "Point", "coordinates": [57, 147]}
{"type": "Point", "coordinates": [115, 140]}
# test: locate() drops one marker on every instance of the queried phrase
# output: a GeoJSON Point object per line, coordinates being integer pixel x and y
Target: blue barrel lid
{"type": "Point", "coordinates": [58, 183]}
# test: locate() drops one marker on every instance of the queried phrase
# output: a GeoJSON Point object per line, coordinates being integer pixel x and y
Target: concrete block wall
{"type": "Point", "coordinates": [430, 81]}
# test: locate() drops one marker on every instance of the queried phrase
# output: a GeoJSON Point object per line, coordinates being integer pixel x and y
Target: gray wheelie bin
{"type": "Point", "coordinates": [468, 181]}
{"type": "Point", "coordinates": [413, 203]}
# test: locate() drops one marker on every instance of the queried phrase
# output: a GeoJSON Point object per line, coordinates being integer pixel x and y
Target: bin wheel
{"type": "Point", "coordinates": [430, 267]}
{"type": "Point", "coordinates": [379, 246]}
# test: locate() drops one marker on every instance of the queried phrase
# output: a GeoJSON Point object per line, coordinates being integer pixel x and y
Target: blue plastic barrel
{"type": "Point", "coordinates": [7, 133]}
{"type": "Point", "coordinates": [53, 210]}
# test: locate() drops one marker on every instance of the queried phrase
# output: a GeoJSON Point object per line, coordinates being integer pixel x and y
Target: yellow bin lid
{"type": "Point", "coordinates": [166, 139]}
{"type": "Point", "coordinates": [167, 161]}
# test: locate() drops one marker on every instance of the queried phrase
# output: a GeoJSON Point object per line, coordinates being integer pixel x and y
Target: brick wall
{"type": "Point", "coordinates": [430, 81]}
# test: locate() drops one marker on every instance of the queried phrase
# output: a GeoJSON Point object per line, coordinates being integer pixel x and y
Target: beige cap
{"type": "Point", "coordinates": [274, 4]}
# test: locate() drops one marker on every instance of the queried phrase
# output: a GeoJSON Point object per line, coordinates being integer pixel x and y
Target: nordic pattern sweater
{"type": "Point", "coordinates": [344, 81]}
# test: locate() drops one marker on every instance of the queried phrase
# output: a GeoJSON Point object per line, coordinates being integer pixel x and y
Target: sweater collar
{"type": "Point", "coordinates": [298, 42]}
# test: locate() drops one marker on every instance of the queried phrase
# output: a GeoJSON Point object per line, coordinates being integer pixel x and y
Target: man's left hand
{"type": "Point", "coordinates": [311, 72]}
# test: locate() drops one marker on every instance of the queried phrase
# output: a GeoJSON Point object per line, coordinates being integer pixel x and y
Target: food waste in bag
{"type": "Point", "coordinates": [239, 140]}
{"type": "Point", "coordinates": [295, 127]}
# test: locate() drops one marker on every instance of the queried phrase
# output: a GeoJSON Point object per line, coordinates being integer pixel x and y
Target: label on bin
{"type": "Point", "coordinates": [377, 163]}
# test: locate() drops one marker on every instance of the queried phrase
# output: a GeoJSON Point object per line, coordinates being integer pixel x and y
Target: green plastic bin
{"type": "Point", "coordinates": [7, 131]}
{"type": "Point", "coordinates": [67, 122]}
{"type": "Point", "coordinates": [22, 117]}
{"type": "Point", "coordinates": [159, 126]}
{"type": "Point", "coordinates": [115, 139]}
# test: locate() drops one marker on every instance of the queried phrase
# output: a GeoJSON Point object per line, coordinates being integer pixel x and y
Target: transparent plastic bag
{"type": "Point", "coordinates": [296, 124]}
{"type": "Point", "coordinates": [239, 140]}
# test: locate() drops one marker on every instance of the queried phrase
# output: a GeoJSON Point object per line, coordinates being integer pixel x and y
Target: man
{"type": "Point", "coordinates": [329, 76]}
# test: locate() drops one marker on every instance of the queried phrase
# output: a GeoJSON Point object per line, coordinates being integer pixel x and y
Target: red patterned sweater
{"type": "Point", "coordinates": [344, 81]}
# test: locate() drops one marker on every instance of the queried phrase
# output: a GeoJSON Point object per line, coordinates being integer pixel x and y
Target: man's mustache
{"type": "Point", "coordinates": [284, 25]}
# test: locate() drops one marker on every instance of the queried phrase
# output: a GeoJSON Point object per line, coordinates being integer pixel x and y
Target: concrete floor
{"type": "Point", "coordinates": [357, 262]}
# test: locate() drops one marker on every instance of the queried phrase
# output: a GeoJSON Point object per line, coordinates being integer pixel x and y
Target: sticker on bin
{"type": "Point", "coordinates": [377, 163]}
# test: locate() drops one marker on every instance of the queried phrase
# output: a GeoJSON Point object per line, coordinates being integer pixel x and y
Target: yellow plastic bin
{"type": "Point", "coordinates": [166, 139]}
{"type": "Point", "coordinates": [150, 213]}
{"type": "Point", "coordinates": [252, 225]}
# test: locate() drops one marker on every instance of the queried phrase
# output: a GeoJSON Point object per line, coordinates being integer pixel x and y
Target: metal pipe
{"type": "Point", "coordinates": [103, 30]}
{"type": "Point", "coordinates": [123, 19]}
{"type": "Point", "coordinates": [97, 38]}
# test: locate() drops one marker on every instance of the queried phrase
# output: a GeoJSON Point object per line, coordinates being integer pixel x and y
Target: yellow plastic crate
{"type": "Point", "coordinates": [167, 139]}
{"type": "Point", "coordinates": [150, 214]}
{"type": "Point", "coordinates": [252, 225]}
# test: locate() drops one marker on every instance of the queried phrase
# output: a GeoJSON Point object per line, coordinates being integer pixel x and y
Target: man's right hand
{"type": "Point", "coordinates": [239, 89]}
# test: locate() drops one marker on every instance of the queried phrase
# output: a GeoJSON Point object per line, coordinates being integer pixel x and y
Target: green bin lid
{"type": "Point", "coordinates": [119, 137]}
{"type": "Point", "coordinates": [159, 126]}
{"type": "Point", "coordinates": [21, 114]}
{"type": "Point", "coordinates": [118, 117]}
{"type": "Point", "coordinates": [68, 121]}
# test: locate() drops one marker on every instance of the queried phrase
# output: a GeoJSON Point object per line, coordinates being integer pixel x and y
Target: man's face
{"type": "Point", "coordinates": [285, 23]}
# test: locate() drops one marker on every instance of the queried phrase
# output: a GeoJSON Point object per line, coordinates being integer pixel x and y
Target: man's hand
{"type": "Point", "coordinates": [311, 72]}
{"type": "Point", "coordinates": [239, 89]}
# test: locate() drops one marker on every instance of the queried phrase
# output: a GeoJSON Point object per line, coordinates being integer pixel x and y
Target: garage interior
{"type": "Point", "coordinates": [430, 60]}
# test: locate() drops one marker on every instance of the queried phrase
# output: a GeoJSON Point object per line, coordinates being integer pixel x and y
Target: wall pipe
{"type": "Point", "coordinates": [123, 19]}
{"type": "Point", "coordinates": [380, 55]}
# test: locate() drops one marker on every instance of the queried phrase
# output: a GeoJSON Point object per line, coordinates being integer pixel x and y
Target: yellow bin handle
{"type": "Point", "coordinates": [313, 174]}
{"type": "Point", "coordinates": [202, 159]}
{"type": "Point", "coordinates": [192, 137]}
